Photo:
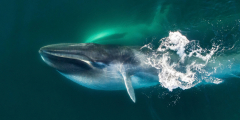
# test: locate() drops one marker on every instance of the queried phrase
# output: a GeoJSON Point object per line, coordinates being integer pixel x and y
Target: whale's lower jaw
{"type": "Point", "coordinates": [114, 84]}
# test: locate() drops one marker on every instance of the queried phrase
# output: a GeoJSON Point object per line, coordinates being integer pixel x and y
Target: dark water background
{"type": "Point", "coordinates": [30, 90]}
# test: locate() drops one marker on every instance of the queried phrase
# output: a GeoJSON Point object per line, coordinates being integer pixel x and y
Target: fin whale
{"type": "Point", "coordinates": [101, 67]}
{"type": "Point", "coordinates": [112, 67]}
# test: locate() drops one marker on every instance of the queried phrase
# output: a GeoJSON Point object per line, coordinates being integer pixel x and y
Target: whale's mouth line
{"type": "Point", "coordinates": [66, 56]}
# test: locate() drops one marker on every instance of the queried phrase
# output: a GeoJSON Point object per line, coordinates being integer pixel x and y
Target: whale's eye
{"type": "Point", "coordinates": [99, 65]}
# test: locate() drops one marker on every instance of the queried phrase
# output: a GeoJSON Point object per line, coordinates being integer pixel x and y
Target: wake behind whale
{"type": "Point", "coordinates": [185, 64]}
{"type": "Point", "coordinates": [176, 63]}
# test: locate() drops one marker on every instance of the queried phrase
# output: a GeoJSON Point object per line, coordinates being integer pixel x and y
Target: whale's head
{"type": "Point", "coordinates": [70, 58]}
{"type": "Point", "coordinates": [84, 57]}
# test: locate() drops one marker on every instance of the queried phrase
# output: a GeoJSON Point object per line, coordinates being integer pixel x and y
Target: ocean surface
{"type": "Point", "coordinates": [209, 30]}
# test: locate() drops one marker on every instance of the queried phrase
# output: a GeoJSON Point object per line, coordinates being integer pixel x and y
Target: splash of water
{"type": "Point", "coordinates": [182, 63]}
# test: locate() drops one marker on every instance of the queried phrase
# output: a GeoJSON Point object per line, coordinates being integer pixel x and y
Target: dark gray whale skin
{"type": "Point", "coordinates": [101, 67]}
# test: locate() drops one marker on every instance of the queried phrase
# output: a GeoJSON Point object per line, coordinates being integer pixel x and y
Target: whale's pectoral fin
{"type": "Point", "coordinates": [129, 87]}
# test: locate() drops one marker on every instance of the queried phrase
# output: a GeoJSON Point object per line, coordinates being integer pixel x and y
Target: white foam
{"type": "Point", "coordinates": [177, 42]}
{"type": "Point", "coordinates": [178, 68]}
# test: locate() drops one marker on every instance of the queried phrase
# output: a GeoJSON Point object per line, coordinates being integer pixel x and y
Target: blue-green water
{"type": "Point", "coordinates": [29, 89]}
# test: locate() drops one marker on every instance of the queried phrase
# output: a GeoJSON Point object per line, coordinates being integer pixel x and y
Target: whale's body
{"type": "Point", "coordinates": [111, 67]}
{"type": "Point", "coordinates": [101, 67]}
